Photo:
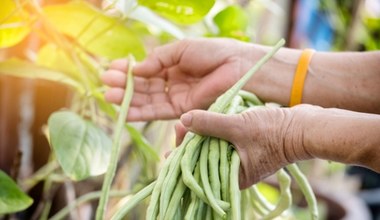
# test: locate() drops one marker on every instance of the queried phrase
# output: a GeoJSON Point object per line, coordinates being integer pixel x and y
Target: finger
{"type": "Point", "coordinates": [161, 111]}
{"type": "Point", "coordinates": [148, 112]}
{"type": "Point", "coordinates": [119, 64]}
{"type": "Point", "coordinates": [159, 59]}
{"type": "Point", "coordinates": [116, 95]}
{"type": "Point", "coordinates": [114, 78]}
{"type": "Point", "coordinates": [149, 67]}
{"type": "Point", "coordinates": [212, 124]}
{"type": "Point", "coordinates": [180, 131]}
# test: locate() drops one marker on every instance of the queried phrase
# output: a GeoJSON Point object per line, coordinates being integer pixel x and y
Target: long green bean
{"type": "Point", "coordinates": [213, 164]}
{"type": "Point", "coordinates": [250, 97]}
{"type": "Point", "coordinates": [223, 101]}
{"type": "Point", "coordinates": [142, 194]}
{"type": "Point", "coordinates": [116, 143]}
{"type": "Point", "coordinates": [224, 170]}
{"type": "Point", "coordinates": [175, 200]}
{"type": "Point", "coordinates": [187, 166]}
{"type": "Point", "coordinates": [205, 178]}
{"type": "Point", "coordinates": [202, 210]}
{"type": "Point", "coordinates": [192, 210]}
{"type": "Point", "coordinates": [178, 193]}
{"type": "Point", "coordinates": [257, 208]}
{"type": "Point", "coordinates": [174, 172]}
{"type": "Point", "coordinates": [235, 193]}
{"type": "Point", "coordinates": [285, 200]}
{"type": "Point", "coordinates": [306, 189]}
{"type": "Point", "coordinates": [223, 148]}
{"type": "Point", "coordinates": [260, 199]}
{"type": "Point", "coordinates": [153, 205]}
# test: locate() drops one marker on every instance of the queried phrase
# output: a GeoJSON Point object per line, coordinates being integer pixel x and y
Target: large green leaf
{"type": "Point", "coordinates": [14, 24]}
{"type": "Point", "coordinates": [82, 149]}
{"type": "Point", "coordinates": [12, 199]}
{"type": "Point", "coordinates": [232, 17]}
{"type": "Point", "coordinates": [20, 68]}
{"type": "Point", "coordinates": [180, 11]}
{"type": "Point", "coordinates": [232, 21]}
{"type": "Point", "coordinates": [96, 32]}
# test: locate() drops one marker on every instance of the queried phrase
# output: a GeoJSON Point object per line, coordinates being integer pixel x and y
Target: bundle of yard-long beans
{"type": "Point", "coordinates": [199, 179]}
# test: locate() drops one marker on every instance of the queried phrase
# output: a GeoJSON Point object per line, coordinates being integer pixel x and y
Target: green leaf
{"type": "Point", "coordinates": [82, 149]}
{"type": "Point", "coordinates": [146, 16]}
{"type": "Point", "coordinates": [231, 18]}
{"type": "Point", "coordinates": [81, 70]}
{"type": "Point", "coordinates": [14, 24]}
{"type": "Point", "coordinates": [53, 57]}
{"type": "Point", "coordinates": [180, 11]}
{"type": "Point", "coordinates": [232, 22]}
{"type": "Point", "coordinates": [372, 23]}
{"type": "Point", "coordinates": [12, 199]}
{"type": "Point", "coordinates": [20, 68]}
{"type": "Point", "coordinates": [96, 32]}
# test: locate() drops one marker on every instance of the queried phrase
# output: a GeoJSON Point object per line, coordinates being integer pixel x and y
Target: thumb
{"type": "Point", "coordinates": [211, 124]}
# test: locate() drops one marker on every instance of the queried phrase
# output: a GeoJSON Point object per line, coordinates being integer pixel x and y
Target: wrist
{"type": "Point", "coordinates": [272, 83]}
{"type": "Point", "coordinates": [295, 130]}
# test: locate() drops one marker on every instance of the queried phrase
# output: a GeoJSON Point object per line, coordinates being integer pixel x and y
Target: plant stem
{"type": "Point", "coordinates": [116, 143]}
{"type": "Point", "coordinates": [41, 174]}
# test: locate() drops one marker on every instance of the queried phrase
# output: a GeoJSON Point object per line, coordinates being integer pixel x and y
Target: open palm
{"type": "Point", "coordinates": [178, 77]}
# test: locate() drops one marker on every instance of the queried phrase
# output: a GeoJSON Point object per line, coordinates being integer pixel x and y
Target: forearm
{"type": "Point", "coordinates": [348, 80]}
{"type": "Point", "coordinates": [344, 136]}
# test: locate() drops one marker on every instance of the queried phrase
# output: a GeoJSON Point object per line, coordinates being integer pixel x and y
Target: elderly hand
{"type": "Point", "coordinates": [266, 139]}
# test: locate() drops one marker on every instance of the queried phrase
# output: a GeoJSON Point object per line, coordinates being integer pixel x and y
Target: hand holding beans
{"type": "Point", "coordinates": [190, 74]}
{"type": "Point", "coordinates": [270, 138]}
{"type": "Point", "coordinates": [266, 139]}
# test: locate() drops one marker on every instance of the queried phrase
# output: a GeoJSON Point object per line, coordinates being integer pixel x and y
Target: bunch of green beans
{"type": "Point", "coordinates": [200, 178]}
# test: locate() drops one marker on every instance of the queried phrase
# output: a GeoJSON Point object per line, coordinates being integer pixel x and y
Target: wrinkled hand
{"type": "Point", "coordinates": [178, 77]}
{"type": "Point", "coordinates": [266, 139]}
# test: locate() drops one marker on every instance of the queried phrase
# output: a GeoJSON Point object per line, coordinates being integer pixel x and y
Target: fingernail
{"type": "Point", "coordinates": [186, 119]}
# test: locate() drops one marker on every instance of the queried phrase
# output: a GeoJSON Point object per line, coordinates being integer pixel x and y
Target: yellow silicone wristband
{"type": "Point", "coordinates": [300, 76]}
